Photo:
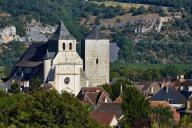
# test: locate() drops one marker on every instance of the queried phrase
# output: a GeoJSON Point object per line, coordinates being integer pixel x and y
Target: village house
{"type": "Point", "coordinates": [165, 104]}
{"type": "Point", "coordinates": [172, 96]}
{"type": "Point", "coordinates": [108, 114]}
{"type": "Point", "coordinates": [94, 96]}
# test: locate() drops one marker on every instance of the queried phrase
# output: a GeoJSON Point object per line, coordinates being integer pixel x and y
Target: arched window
{"type": "Point", "coordinates": [70, 46]}
{"type": "Point", "coordinates": [97, 61]}
{"type": "Point", "coordinates": [63, 46]}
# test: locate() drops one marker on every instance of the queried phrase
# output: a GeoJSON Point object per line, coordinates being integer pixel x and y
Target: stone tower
{"type": "Point", "coordinates": [95, 53]}
{"type": "Point", "coordinates": [63, 65]}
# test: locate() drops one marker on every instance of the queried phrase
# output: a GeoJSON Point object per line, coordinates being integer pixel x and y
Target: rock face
{"type": "Point", "coordinates": [7, 34]}
{"type": "Point", "coordinates": [35, 31]}
{"type": "Point", "coordinates": [141, 23]}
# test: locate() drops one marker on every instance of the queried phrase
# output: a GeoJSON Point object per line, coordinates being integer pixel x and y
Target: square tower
{"type": "Point", "coordinates": [95, 53]}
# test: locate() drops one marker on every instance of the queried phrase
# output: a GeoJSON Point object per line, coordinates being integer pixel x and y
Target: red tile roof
{"type": "Point", "coordinates": [119, 100]}
{"type": "Point", "coordinates": [103, 118]}
{"type": "Point", "coordinates": [94, 95]}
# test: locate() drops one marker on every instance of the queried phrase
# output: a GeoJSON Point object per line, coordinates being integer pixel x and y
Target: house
{"type": "Point", "coordinates": [184, 85]}
{"type": "Point", "coordinates": [110, 112]}
{"type": "Point", "coordinates": [94, 96]}
{"type": "Point", "coordinates": [173, 97]}
{"type": "Point", "coordinates": [165, 104]}
{"type": "Point", "coordinates": [148, 88]}
{"type": "Point", "coordinates": [105, 119]}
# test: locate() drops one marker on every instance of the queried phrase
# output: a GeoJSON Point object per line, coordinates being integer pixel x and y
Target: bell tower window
{"type": "Point", "coordinates": [97, 61]}
{"type": "Point", "coordinates": [63, 46]}
{"type": "Point", "coordinates": [70, 46]}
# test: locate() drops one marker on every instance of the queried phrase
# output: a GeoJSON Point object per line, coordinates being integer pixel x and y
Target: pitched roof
{"type": "Point", "coordinates": [96, 34]}
{"type": "Point", "coordinates": [93, 89]}
{"type": "Point", "coordinates": [33, 56]}
{"type": "Point", "coordinates": [62, 33]}
{"type": "Point", "coordinates": [110, 108]}
{"type": "Point", "coordinates": [103, 118]}
{"type": "Point", "coordinates": [169, 94]}
{"type": "Point", "coordinates": [94, 95]}
{"type": "Point", "coordinates": [186, 94]}
{"type": "Point", "coordinates": [119, 100]}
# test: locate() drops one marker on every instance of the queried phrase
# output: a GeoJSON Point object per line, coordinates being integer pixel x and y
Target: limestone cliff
{"type": "Point", "coordinates": [7, 34]}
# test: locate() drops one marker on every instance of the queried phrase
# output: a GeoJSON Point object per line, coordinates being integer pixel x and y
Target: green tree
{"type": "Point", "coordinates": [108, 89]}
{"type": "Point", "coordinates": [119, 86]}
{"type": "Point", "coordinates": [15, 88]}
{"type": "Point", "coordinates": [140, 11]}
{"type": "Point", "coordinates": [134, 106]}
{"type": "Point", "coordinates": [44, 108]}
{"type": "Point", "coordinates": [186, 122]}
{"type": "Point", "coordinates": [35, 83]}
{"type": "Point", "coordinates": [162, 116]}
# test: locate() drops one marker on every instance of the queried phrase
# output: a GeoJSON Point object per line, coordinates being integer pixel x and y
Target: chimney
{"type": "Point", "coordinates": [152, 91]}
{"type": "Point", "coordinates": [167, 89]}
{"type": "Point", "coordinates": [188, 105]}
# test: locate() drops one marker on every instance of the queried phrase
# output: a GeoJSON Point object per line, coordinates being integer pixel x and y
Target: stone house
{"type": "Point", "coordinates": [94, 96]}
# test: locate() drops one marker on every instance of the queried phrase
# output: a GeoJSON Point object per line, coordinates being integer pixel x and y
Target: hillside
{"type": "Point", "coordinates": [146, 32]}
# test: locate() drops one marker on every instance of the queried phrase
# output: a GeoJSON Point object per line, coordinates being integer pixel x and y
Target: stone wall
{"type": "Point", "coordinates": [96, 61]}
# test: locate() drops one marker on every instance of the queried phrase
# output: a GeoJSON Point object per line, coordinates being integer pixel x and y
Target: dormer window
{"type": "Point", "coordinates": [63, 46]}
{"type": "Point", "coordinates": [70, 46]}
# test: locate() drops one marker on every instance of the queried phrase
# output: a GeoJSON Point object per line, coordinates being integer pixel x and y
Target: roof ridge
{"type": "Point", "coordinates": [62, 33]}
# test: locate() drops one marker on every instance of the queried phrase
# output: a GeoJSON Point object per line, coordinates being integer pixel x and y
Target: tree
{"type": "Point", "coordinates": [162, 116]}
{"type": "Point", "coordinates": [140, 11]}
{"type": "Point", "coordinates": [186, 122]}
{"type": "Point", "coordinates": [108, 89]}
{"type": "Point", "coordinates": [120, 85]}
{"type": "Point", "coordinates": [44, 108]}
{"type": "Point", "coordinates": [134, 106]}
{"type": "Point", "coordinates": [35, 83]}
{"type": "Point", "coordinates": [15, 88]}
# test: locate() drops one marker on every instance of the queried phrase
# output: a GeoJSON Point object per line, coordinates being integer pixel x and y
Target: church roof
{"type": "Point", "coordinates": [33, 56]}
{"type": "Point", "coordinates": [96, 34]}
{"type": "Point", "coordinates": [62, 33]}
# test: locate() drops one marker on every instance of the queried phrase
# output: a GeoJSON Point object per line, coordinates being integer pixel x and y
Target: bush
{"type": "Point", "coordinates": [140, 10]}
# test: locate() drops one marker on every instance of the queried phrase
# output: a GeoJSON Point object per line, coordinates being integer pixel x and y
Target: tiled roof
{"type": "Point", "coordinates": [93, 95]}
{"type": "Point", "coordinates": [169, 94]}
{"type": "Point", "coordinates": [93, 89]}
{"type": "Point", "coordinates": [186, 94]}
{"type": "Point", "coordinates": [119, 100]}
{"type": "Point", "coordinates": [103, 118]}
{"type": "Point", "coordinates": [33, 56]}
{"type": "Point", "coordinates": [110, 108]}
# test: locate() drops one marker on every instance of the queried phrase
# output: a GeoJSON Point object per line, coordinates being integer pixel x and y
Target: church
{"type": "Point", "coordinates": [58, 64]}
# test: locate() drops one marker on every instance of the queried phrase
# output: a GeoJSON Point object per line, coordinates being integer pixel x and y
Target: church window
{"type": "Point", "coordinates": [70, 46]}
{"type": "Point", "coordinates": [63, 46]}
{"type": "Point", "coordinates": [97, 61]}
{"type": "Point", "coordinates": [67, 80]}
